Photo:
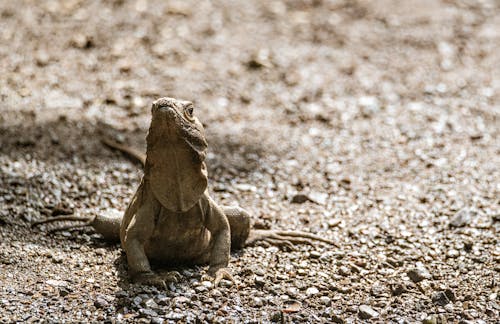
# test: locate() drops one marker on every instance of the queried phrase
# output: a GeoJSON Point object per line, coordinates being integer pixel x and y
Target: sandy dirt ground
{"type": "Point", "coordinates": [372, 123]}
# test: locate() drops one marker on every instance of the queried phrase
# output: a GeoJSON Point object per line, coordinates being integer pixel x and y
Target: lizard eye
{"type": "Point", "coordinates": [189, 111]}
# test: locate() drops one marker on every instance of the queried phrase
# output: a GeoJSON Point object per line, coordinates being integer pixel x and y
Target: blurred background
{"type": "Point", "coordinates": [252, 59]}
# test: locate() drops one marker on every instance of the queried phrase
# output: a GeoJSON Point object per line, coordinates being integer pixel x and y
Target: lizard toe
{"type": "Point", "coordinates": [172, 276]}
{"type": "Point", "coordinates": [150, 279]}
{"type": "Point", "coordinates": [222, 274]}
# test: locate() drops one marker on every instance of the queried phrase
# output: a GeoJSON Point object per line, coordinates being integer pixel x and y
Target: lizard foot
{"type": "Point", "coordinates": [171, 276]}
{"type": "Point", "coordinates": [149, 279]}
{"type": "Point", "coordinates": [217, 276]}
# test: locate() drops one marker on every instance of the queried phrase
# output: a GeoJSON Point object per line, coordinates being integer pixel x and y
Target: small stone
{"type": "Point", "coordinates": [157, 320]}
{"type": "Point", "coordinates": [148, 313]}
{"type": "Point", "coordinates": [259, 59]}
{"type": "Point", "coordinates": [200, 289]}
{"type": "Point", "coordinates": [311, 291]}
{"type": "Point", "coordinates": [419, 273]}
{"type": "Point", "coordinates": [452, 254]}
{"type": "Point", "coordinates": [259, 281]}
{"type": "Point", "coordinates": [315, 255]}
{"type": "Point", "coordinates": [82, 41]}
{"type": "Point", "coordinates": [226, 283]}
{"type": "Point", "coordinates": [325, 300]}
{"type": "Point", "coordinates": [57, 258]}
{"type": "Point", "coordinates": [318, 197]}
{"type": "Point", "coordinates": [245, 187]}
{"type": "Point", "coordinates": [344, 271]}
{"type": "Point", "coordinates": [164, 300]}
{"type": "Point", "coordinates": [291, 306]}
{"type": "Point", "coordinates": [137, 300]}
{"type": "Point", "coordinates": [431, 319]}
{"type": "Point", "coordinates": [42, 58]}
{"type": "Point", "coordinates": [257, 302]}
{"type": "Point", "coordinates": [176, 316]}
{"type": "Point", "coordinates": [207, 284]}
{"type": "Point", "coordinates": [366, 312]}
{"type": "Point", "coordinates": [149, 303]}
{"type": "Point", "coordinates": [300, 198]}
{"type": "Point", "coordinates": [378, 289]}
{"type": "Point", "coordinates": [100, 302]}
{"type": "Point", "coordinates": [177, 300]}
{"type": "Point", "coordinates": [450, 294]}
{"type": "Point", "coordinates": [216, 293]}
{"type": "Point", "coordinates": [56, 283]}
{"type": "Point", "coordinates": [397, 289]}
{"type": "Point", "coordinates": [440, 298]}
{"type": "Point", "coordinates": [461, 218]}
{"type": "Point", "coordinates": [64, 291]}
{"type": "Point", "coordinates": [337, 319]}
{"type": "Point", "coordinates": [468, 246]}
{"type": "Point", "coordinates": [276, 317]}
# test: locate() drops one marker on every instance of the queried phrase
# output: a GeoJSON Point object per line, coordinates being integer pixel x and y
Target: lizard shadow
{"type": "Point", "coordinates": [61, 140]}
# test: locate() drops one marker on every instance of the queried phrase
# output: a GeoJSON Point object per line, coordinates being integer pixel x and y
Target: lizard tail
{"type": "Point", "coordinates": [285, 238]}
{"type": "Point", "coordinates": [130, 152]}
{"type": "Point", "coordinates": [307, 236]}
{"type": "Point", "coordinates": [85, 221]}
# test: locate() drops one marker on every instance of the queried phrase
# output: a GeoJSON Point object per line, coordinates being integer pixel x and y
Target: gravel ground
{"type": "Point", "coordinates": [372, 123]}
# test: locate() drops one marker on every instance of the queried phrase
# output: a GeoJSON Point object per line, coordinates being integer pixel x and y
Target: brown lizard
{"type": "Point", "coordinates": [171, 218]}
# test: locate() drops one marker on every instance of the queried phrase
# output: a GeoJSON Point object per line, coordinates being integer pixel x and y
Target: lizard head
{"type": "Point", "coordinates": [176, 151]}
{"type": "Point", "coordinates": [174, 121]}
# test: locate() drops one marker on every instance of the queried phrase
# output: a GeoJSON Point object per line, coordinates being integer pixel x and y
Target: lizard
{"type": "Point", "coordinates": [171, 218]}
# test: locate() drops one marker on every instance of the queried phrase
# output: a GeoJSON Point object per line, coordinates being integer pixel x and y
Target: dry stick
{"type": "Point", "coordinates": [130, 152]}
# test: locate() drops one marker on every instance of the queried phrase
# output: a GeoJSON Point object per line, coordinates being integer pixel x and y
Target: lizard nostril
{"type": "Point", "coordinates": [168, 110]}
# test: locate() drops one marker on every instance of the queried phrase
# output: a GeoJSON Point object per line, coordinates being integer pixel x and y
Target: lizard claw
{"type": "Point", "coordinates": [217, 277]}
{"type": "Point", "coordinates": [149, 279]}
{"type": "Point", "coordinates": [171, 276]}
{"type": "Point", "coordinates": [222, 274]}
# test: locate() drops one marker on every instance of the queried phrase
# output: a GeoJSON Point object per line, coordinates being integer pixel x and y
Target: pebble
{"type": "Point", "coordinates": [378, 289]}
{"type": "Point", "coordinates": [144, 312]}
{"type": "Point", "coordinates": [100, 302]}
{"type": "Point", "coordinates": [462, 218]}
{"type": "Point", "coordinates": [440, 298]}
{"type": "Point", "coordinates": [315, 254]}
{"type": "Point", "coordinates": [300, 198]}
{"type": "Point", "coordinates": [452, 253]}
{"type": "Point", "coordinates": [149, 303]}
{"type": "Point", "coordinates": [325, 300]}
{"type": "Point", "coordinates": [419, 273]}
{"type": "Point", "coordinates": [257, 302]}
{"type": "Point", "coordinates": [157, 320]}
{"type": "Point", "coordinates": [57, 283]}
{"type": "Point", "coordinates": [259, 281]}
{"type": "Point", "coordinates": [311, 291]}
{"type": "Point", "coordinates": [344, 271]}
{"type": "Point", "coordinates": [207, 284]}
{"type": "Point", "coordinates": [318, 197]}
{"type": "Point", "coordinates": [366, 312]}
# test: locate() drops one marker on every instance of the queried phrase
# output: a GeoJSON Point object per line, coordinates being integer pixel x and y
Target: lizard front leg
{"type": "Point", "coordinates": [137, 228]}
{"type": "Point", "coordinates": [218, 225]}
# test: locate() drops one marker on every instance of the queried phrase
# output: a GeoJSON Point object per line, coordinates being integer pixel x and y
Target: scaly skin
{"type": "Point", "coordinates": [171, 218]}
